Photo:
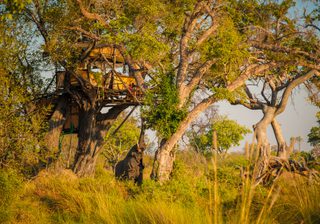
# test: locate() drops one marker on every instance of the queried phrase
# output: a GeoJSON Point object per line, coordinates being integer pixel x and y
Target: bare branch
{"type": "Point", "coordinates": [86, 53]}
{"type": "Point", "coordinates": [274, 96]}
{"type": "Point", "coordinates": [189, 25]}
{"type": "Point", "coordinates": [283, 49]}
{"type": "Point", "coordinates": [263, 94]}
{"type": "Point", "coordinates": [314, 26]}
{"type": "Point", "coordinates": [251, 106]}
{"type": "Point", "coordinates": [39, 23]}
{"type": "Point", "coordinates": [211, 30]}
{"type": "Point", "coordinates": [253, 69]}
{"type": "Point", "coordinates": [248, 92]}
{"type": "Point", "coordinates": [134, 69]}
{"type": "Point", "coordinates": [297, 81]}
{"type": "Point", "coordinates": [197, 76]}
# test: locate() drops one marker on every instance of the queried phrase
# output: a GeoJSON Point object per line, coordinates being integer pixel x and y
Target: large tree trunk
{"type": "Point", "coordinates": [84, 157]}
{"type": "Point", "coordinates": [284, 151]}
{"type": "Point", "coordinates": [165, 155]}
{"type": "Point", "coordinates": [282, 146]}
{"type": "Point", "coordinates": [93, 127]}
{"type": "Point", "coordinates": [163, 162]}
{"type": "Point", "coordinates": [56, 124]}
{"type": "Point", "coordinates": [262, 140]}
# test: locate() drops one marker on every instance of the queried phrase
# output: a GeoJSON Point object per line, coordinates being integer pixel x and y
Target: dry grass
{"type": "Point", "coordinates": [191, 197]}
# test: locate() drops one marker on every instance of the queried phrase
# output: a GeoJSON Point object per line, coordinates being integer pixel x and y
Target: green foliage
{"type": "Point", "coordinates": [226, 45]}
{"type": "Point", "coordinates": [229, 133]}
{"type": "Point", "coordinates": [161, 111]}
{"type": "Point", "coordinates": [314, 135]}
{"type": "Point", "coordinates": [21, 133]}
{"type": "Point", "coordinates": [10, 187]}
{"type": "Point", "coordinates": [62, 197]}
{"type": "Point", "coordinates": [221, 93]}
{"type": "Point", "coordinates": [10, 7]}
{"type": "Point", "coordinates": [228, 48]}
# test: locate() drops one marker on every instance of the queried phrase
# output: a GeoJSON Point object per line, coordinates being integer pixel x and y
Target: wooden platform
{"type": "Point", "coordinates": [100, 72]}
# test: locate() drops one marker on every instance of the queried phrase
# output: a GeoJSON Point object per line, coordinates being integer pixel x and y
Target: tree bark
{"type": "Point", "coordinates": [263, 145]}
{"type": "Point", "coordinates": [282, 146]}
{"type": "Point", "coordinates": [56, 123]}
{"type": "Point", "coordinates": [165, 155]}
{"type": "Point", "coordinates": [93, 127]}
{"type": "Point", "coordinates": [163, 163]}
{"type": "Point", "coordinates": [84, 157]}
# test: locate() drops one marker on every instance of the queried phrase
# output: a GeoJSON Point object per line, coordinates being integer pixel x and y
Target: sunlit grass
{"type": "Point", "coordinates": [190, 197]}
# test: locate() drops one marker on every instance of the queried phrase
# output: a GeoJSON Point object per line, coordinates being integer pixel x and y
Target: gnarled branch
{"type": "Point", "coordinates": [295, 82]}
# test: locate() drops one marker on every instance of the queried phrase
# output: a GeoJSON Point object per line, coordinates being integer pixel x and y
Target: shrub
{"type": "Point", "coordinates": [10, 186]}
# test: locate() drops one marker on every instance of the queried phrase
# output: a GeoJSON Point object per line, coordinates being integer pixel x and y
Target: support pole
{"type": "Point", "coordinates": [124, 120]}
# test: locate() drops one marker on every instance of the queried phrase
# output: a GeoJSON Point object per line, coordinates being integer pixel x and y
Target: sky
{"type": "Point", "coordinates": [296, 120]}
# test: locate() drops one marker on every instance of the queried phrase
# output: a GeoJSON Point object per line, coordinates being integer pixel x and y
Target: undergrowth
{"type": "Point", "coordinates": [187, 198]}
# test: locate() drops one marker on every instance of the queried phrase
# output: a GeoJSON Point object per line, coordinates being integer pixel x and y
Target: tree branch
{"type": "Point", "coordinates": [197, 76]}
{"type": "Point", "coordinates": [84, 32]}
{"type": "Point", "coordinates": [253, 69]}
{"type": "Point", "coordinates": [295, 82]}
{"type": "Point", "coordinates": [133, 66]}
{"type": "Point", "coordinates": [248, 92]}
{"type": "Point", "coordinates": [111, 114]}
{"type": "Point", "coordinates": [209, 31]}
{"type": "Point", "coordinates": [277, 48]}
{"type": "Point", "coordinates": [189, 25]}
{"type": "Point", "coordinates": [92, 16]}
{"type": "Point", "coordinates": [251, 106]}
{"type": "Point", "coordinates": [263, 94]}
{"type": "Point", "coordinates": [38, 23]}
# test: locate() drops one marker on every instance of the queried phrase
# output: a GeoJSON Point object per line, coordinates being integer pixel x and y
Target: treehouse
{"type": "Point", "coordinates": [111, 81]}
{"type": "Point", "coordinates": [101, 70]}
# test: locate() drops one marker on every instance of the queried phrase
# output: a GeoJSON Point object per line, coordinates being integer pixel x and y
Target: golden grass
{"type": "Point", "coordinates": [188, 198]}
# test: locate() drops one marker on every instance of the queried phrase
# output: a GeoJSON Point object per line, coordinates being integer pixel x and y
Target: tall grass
{"type": "Point", "coordinates": [249, 209]}
{"type": "Point", "coordinates": [299, 201]}
{"type": "Point", "coordinates": [199, 192]}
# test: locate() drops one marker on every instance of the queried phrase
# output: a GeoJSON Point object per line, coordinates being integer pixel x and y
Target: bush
{"type": "Point", "coordinates": [10, 186]}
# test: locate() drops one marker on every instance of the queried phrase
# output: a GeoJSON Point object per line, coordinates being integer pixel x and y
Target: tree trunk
{"type": "Point", "coordinates": [56, 123]}
{"type": "Point", "coordinates": [284, 151]}
{"type": "Point", "coordinates": [165, 155]}
{"type": "Point", "coordinates": [84, 157]}
{"type": "Point", "coordinates": [163, 162]}
{"type": "Point", "coordinates": [93, 127]}
{"type": "Point", "coordinates": [282, 146]}
{"type": "Point", "coordinates": [262, 140]}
